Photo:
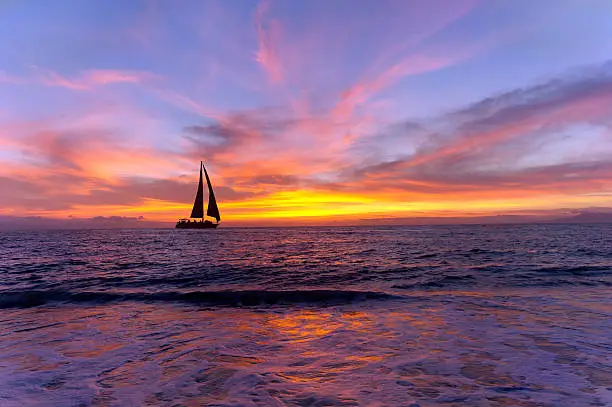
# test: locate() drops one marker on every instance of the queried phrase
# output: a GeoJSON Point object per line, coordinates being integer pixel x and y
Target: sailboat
{"type": "Point", "coordinates": [198, 208]}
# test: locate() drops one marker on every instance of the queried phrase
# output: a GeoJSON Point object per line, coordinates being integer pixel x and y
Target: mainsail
{"type": "Point", "coordinates": [213, 209]}
{"type": "Point", "coordinates": [198, 205]}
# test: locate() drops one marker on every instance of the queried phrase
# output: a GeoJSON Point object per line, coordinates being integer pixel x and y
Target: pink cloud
{"type": "Point", "coordinates": [86, 80]}
{"type": "Point", "coordinates": [188, 104]}
{"type": "Point", "coordinates": [419, 21]}
{"type": "Point", "coordinates": [582, 108]}
{"type": "Point", "coordinates": [268, 35]}
{"type": "Point", "coordinates": [362, 91]}
{"type": "Point", "coordinates": [105, 77]}
{"type": "Point", "coordinates": [50, 78]}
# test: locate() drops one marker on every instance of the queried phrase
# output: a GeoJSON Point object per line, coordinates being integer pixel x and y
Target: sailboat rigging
{"type": "Point", "coordinates": [197, 212]}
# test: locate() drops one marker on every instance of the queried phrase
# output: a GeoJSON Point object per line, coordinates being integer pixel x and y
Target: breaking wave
{"type": "Point", "coordinates": [26, 299]}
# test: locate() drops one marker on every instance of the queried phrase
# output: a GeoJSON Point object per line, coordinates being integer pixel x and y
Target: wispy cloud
{"type": "Point", "coordinates": [86, 80]}
{"type": "Point", "coordinates": [362, 91]}
{"type": "Point", "coordinates": [268, 35]}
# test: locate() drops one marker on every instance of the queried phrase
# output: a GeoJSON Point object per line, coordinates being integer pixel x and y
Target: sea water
{"type": "Point", "coordinates": [515, 315]}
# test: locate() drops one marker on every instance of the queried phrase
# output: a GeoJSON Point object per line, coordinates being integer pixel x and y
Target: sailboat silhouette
{"type": "Point", "coordinates": [198, 207]}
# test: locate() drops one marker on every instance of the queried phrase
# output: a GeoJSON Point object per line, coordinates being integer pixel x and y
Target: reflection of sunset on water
{"type": "Point", "coordinates": [390, 353]}
{"type": "Point", "coordinates": [303, 326]}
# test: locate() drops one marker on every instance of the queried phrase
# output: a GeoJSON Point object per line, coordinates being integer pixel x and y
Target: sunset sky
{"type": "Point", "coordinates": [305, 110]}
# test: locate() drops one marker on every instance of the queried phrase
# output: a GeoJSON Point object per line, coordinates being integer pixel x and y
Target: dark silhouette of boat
{"type": "Point", "coordinates": [198, 220]}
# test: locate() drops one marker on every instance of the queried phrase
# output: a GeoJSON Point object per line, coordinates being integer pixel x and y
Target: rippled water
{"type": "Point", "coordinates": [429, 316]}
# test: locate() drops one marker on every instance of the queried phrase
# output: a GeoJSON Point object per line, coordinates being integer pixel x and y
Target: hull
{"type": "Point", "coordinates": [196, 225]}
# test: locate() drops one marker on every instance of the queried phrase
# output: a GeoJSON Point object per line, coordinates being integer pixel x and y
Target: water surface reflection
{"type": "Point", "coordinates": [439, 349]}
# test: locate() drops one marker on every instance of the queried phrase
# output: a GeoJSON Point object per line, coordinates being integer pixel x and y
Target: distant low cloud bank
{"type": "Point", "coordinates": [571, 216]}
{"type": "Point", "coordinates": [98, 222]}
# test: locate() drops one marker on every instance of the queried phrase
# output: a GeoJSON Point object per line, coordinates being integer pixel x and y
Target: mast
{"type": "Point", "coordinates": [198, 205]}
{"type": "Point", "coordinates": [213, 209]}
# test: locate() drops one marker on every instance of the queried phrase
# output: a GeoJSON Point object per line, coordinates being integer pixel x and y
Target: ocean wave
{"type": "Point", "coordinates": [25, 299]}
{"type": "Point", "coordinates": [585, 270]}
{"type": "Point", "coordinates": [449, 281]}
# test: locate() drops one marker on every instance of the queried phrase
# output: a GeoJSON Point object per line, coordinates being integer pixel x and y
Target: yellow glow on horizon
{"type": "Point", "coordinates": [310, 205]}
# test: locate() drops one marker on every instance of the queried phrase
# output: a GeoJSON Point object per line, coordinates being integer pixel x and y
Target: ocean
{"type": "Point", "coordinates": [510, 315]}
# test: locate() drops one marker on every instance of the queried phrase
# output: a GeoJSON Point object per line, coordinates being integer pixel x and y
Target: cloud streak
{"type": "Point", "coordinates": [268, 36]}
{"type": "Point", "coordinates": [87, 80]}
